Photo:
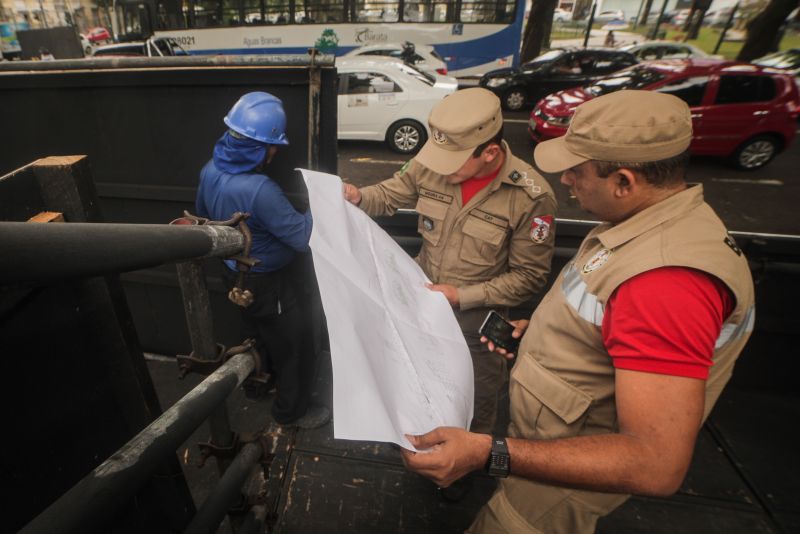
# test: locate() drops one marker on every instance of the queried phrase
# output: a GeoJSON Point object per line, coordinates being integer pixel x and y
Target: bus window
{"type": "Point", "coordinates": [266, 11]}
{"type": "Point", "coordinates": [430, 11]}
{"type": "Point", "coordinates": [485, 11]}
{"type": "Point", "coordinates": [170, 14]}
{"type": "Point", "coordinates": [207, 13]}
{"type": "Point", "coordinates": [319, 11]}
{"type": "Point", "coordinates": [376, 11]}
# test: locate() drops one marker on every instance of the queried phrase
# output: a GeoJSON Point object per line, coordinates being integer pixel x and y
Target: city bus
{"type": "Point", "coordinates": [472, 36]}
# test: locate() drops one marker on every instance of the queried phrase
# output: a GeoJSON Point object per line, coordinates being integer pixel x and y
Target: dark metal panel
{"type": "Point", "coordinates": [77, 387]}
{"type": "Point", "coordinates": [325, 494]}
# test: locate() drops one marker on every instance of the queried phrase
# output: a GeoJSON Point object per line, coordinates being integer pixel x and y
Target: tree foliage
{"type": "Point", "coordinates": [763, 29]}
{"type": "Point", "coordinates": [537, 28]}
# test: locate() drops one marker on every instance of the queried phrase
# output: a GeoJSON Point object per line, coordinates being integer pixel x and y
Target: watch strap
{"type": "Point", "coordinates": [499, 462]}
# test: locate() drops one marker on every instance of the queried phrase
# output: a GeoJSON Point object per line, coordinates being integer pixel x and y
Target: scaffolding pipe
{"type": "Point", "coordinates": [254, 520]}
{"type": "Point", "coordinates": [50, 251]}
{"type": "Point", "coordinates": [197, 305]}
{"type": "Point", "coordinates": [94, 501]}
{"type": "Point", "coordinates": [227, 491]}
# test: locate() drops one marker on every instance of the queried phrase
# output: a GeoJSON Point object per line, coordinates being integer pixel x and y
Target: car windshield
{"type": "Point", "coordinates": [539, 61]}
{"type": "Point", "coordinates": [781, 60]}
{"type": "Point", "coordinates": [633, 78]}
{"type": "Point", "coordinates": [424, 77]}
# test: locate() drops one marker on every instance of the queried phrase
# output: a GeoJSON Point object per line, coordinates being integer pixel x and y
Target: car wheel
{"type": "Point", "coordinates": [514, 99]}
{"type": "Point", "coordinates": [406, 136]}
{"type": "Point", "coordinates": [755, 152]}
{"type": "Point", "coordinates": [88, 51]}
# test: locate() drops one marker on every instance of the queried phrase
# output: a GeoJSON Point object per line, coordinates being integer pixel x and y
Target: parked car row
{"type": "Point", "coordinates": [741, 111]}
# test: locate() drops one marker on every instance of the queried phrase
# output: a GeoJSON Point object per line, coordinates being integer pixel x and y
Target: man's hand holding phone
{"type": "Point", "coordinates": [502, 336]}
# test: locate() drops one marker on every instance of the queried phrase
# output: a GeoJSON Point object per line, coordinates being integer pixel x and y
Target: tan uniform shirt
{"type": "Point", "coordinates": [497, 249]}
{"type": "Point", "coordinates": [563, 382]}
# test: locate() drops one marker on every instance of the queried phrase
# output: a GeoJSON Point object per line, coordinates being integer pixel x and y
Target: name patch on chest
{"type": "Point", "coordinates": [441, 197]}
{"type": "Point", "coordinates": [488, 217]}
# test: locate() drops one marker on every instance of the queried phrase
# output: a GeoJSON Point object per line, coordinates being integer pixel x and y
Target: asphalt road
{"type": "Point", "coordinates": [762, 201]}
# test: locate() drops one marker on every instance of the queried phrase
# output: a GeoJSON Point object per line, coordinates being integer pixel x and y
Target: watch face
{"type": "Point", "coordinates": [499, 464]}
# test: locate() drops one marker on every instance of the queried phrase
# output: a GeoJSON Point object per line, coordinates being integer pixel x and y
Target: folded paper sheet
{"type": "Point", "coordinates": [400, 362]}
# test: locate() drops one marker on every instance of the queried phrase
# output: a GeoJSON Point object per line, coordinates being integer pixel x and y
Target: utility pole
{"type": "Point", "coordinates": [43, 14]}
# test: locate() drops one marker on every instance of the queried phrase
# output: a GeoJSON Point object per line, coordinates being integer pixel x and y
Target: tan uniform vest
{"type": "Point", "coordinates": [562, 384]}
{"type": "Point", "coordinates": [489, 248]}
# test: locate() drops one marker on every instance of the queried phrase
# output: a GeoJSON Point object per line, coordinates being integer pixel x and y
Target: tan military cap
{"type": "Point", "coordinates": [627, 126]}
{"type": "Point", "coordinates": [458, 124]}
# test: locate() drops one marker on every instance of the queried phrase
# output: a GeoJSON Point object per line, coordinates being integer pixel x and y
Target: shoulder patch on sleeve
{"type": "Point", "coordinates": [540, 228]}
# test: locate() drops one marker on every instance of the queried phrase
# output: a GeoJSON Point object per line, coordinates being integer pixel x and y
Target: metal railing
{"type": "Point", "coordinates": [55, 251]}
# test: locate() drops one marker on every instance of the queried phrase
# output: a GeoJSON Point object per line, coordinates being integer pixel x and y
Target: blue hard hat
{"type": "Point", "coordinates": [259, 116]}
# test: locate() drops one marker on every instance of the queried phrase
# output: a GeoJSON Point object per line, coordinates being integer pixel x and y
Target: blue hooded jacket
{"type": "Point", "coordinates": [229, 183]}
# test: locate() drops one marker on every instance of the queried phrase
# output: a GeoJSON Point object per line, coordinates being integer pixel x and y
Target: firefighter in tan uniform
{"type": "Point", "coordinates": [486, 219]}
{"type": "Point", "coordinates": [628, 352]}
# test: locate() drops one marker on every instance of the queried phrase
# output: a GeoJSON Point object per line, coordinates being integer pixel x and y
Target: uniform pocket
{"type": "Point", "coordinates": [431, 219]}
{"type": "Point", "coordinates": [482, 241]}
{"type": "Point", "coordinates": [545, 406]}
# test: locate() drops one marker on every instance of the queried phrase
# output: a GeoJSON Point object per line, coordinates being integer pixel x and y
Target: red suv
{"type": "Point", "coordinates": [742, 111]}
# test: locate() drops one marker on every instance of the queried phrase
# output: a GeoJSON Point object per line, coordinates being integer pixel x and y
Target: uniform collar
{"type": "Point", "coordinates": [671, 208]}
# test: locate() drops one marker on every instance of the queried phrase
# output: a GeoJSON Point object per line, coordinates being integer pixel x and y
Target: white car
{"type": "Point", "coordinates": [561, 15]}
{"type": "Point", "coordinates": [650, 50]}
{"type": "Point", "coordinates": [608, 16]}
{"type": "Point", "coordinates": [85, 45]}
{"type": "Point", "coordinates": [424, 57]}
{"type": "Point", "coordinates": [384, 99]}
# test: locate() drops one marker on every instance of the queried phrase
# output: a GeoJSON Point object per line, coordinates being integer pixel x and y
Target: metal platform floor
{"type": "Point", "coordinates": [744, 478]}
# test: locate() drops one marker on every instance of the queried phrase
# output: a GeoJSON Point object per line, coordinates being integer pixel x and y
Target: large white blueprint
{"type": "Point", "coordinates": [400, 362]}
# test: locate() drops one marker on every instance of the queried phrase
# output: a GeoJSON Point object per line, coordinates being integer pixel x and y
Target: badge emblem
{"type": "Point", "coordinates": [540, 228]}
{"type": "Point", "coordinates": [732, 244]}
{"type": "Point", "coordinates": [438, 136]}
{"type": "Point", "coordinates": [515, 176]}
{"type": "Point", "coordinates": [427, 224]}
{"type": "Point", "coordinates": [597, 261]}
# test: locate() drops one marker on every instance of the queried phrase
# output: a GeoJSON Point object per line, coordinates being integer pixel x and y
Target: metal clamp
{"type": "Point", "coordinates": [208, 449]}
{"type": "Point", "coordinates": [192, 364]}
{"type": "Point", "coordinates": [238, 295]}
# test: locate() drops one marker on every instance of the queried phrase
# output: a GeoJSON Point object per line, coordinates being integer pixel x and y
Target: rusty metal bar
{"type": "Point", "coordinates": [93, 502]}
{"type": "Point", "coordinates": [226, 492]}
{"type": "Point", "coordinates": [43, 252]}
{"type": "Point", "coordinates": [254, 520]}
{"type": "Point", "coordinates": [197, 306]}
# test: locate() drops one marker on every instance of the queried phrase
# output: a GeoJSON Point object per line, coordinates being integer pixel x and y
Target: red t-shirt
{"type": "Point", "coordinates": [666, 321]}
{"type": "Point", "coordinates": [469, 188]}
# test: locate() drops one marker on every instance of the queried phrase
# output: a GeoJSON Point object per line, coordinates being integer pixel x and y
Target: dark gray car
{"type": "Point", "coordinates": [558, 69]}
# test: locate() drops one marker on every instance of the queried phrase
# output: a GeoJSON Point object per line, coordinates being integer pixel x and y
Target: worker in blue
{"type": "Point", "coordinates": [235, 180]}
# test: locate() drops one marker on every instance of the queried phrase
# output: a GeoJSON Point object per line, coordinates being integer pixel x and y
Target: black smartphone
{"type": "Point", "coordinates": [498, 331]}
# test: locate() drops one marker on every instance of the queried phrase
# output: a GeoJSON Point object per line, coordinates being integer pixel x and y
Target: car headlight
{"type": "Point", "coordinates": [562, 121]}
{"type": "Point", "coordinates": [496, 82]}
